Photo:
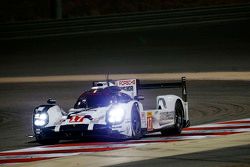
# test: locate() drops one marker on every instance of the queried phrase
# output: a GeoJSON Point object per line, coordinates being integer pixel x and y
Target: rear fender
{"type": "Point", "coordinates": [167, 102]}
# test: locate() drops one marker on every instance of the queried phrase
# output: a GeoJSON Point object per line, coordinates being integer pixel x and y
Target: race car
{"type": "Point", "coordinates": [113, 109]}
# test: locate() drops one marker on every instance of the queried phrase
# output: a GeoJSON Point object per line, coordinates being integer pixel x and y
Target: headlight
{"type": "Point", "coordinates": [41, 119]}
{"type": "Point", "coordinates": [116, 115]}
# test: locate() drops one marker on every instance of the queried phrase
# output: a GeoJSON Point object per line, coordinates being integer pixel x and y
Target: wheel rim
{"type": "Point", "coordinates": [135, 123]}
{"type": "Point", "coordinates": [178, 121]}
{"type": "Point", "coordinates": [178, 118]}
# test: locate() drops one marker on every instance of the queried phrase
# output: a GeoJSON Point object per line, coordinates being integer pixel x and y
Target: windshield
{"type": "Point", "coordinates": [100, 98]}
{"type": "Point", "coordinates": [93, 101]}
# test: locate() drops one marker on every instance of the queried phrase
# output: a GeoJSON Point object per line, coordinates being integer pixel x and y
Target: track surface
{"type": "Point", "coordinates": [70, 149]}
{"type": "Point", "coordinates": [232, 156]}
{"type": "Point", "coordinates": [210, 101]}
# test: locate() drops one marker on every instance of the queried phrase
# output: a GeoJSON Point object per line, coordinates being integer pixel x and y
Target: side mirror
{"type": "Point", "coordinates": [139, 98]}
{"type": "Point", "coordinates": [51, 101]}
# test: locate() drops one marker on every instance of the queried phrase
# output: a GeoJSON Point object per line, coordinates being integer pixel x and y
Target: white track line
{"type": "Point", "coordinates": [220, 125]}
{"type": "Point", "coordinates": [244, 76]}
{"type": "Point", "coordinates": [38, 156]}
{"type": "Point", "coordinates": [216, 131]}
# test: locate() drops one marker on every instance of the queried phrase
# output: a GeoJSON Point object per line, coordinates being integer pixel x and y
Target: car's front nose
{"type": "Point", "coordinates": [82, 130]}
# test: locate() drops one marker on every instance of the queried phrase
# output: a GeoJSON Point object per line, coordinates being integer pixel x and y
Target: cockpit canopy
{"type": "Point", "coordinates": [101, 97]}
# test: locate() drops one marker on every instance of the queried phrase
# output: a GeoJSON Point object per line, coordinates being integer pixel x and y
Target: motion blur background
{"type": "Point", "coordinates": [15, 10]}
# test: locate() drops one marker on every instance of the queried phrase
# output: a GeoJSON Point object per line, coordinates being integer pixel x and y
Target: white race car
{"type": "Point", "coordinates": [113, 109]}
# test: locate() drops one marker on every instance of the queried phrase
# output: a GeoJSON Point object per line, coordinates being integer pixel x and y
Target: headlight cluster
{"type": "Point", "coordinates": [41, 119]}
{"type": "Point", "coordinates": [116, 115]}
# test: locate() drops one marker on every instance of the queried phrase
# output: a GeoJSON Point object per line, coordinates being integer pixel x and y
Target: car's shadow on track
{"type": "Point", "coordinates": [90, 140]}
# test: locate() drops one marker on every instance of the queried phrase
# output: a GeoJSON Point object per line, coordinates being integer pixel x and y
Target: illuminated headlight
{"type": "Point", "coordinates": [41, 119]}
{"type": "Point", "coordinates": [116, 115]}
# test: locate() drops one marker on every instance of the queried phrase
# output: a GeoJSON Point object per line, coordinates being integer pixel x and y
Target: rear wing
{"type": "Point", "coordinates": [181, 84]}
{"type": "Point", "coordinates": [131, 86]}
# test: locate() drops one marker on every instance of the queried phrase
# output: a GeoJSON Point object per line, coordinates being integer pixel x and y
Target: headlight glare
{"type": "Point", "coordinates": [43, 116]}
{"type": "Point", "coordinates": [39, 122]}
{"type": "Point", "coordinates": [116, 115]}
{"type": "Point", "coordinates": [37, 116]}
{"type": "Point", "coordinates": [41, 119]}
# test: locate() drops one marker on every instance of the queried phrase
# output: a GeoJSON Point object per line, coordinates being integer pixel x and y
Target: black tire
{"type": "Point", "coordinates": [46, 141]}
{"type": "Point", "coordinates": [136, 123]}
{"type": "Point", "coordinates": [179, 121]}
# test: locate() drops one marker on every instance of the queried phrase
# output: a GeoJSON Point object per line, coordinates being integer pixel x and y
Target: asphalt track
{"type": "Point", "coordinates": [222, 46]}
{"type": "Point", "coordinates": [231, 156]}
{"type": "Point", "coordinates": [193, 139]}
{"type": "Point", "coordinates": [209, 101]}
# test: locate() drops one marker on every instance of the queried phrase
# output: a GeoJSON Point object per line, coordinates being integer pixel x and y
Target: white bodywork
{"type": "Point", "coordinates": [164, 114]}
{"type": "Point", "coordinates": [99, 116]}
{"type": "Point", "coordinates": [151, 120]}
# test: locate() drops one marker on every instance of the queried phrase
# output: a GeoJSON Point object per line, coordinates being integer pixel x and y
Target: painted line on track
{"type": "Point", "coordinates": [70, 149]}
{"type": "Point", "coordinates": [242, 76]}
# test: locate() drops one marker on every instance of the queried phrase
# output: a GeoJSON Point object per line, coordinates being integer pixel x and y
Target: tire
{"type": "Point", "coordinates": [46, 141]}
{"type": "Point", "coordinates": [179, 121]}
{"type": "Point", "coordinates": [136, 123]}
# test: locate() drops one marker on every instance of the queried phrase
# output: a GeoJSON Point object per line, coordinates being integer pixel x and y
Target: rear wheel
{"type": "Point", "coordinates": [136, 123]}
{"type": "Point", "coordinates": [177, 128]}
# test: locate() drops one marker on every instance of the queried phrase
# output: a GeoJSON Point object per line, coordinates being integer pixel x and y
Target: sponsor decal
{"type": "Point", "coordinates": [76, 119]}
{"type": "Point", "coordinates": [143, 115]}
{"type": "Point", "coordinates": [127, 82]}
{"type": "Point", "coordinates": [149, 114]}
{"type": "Point", "coordinates": [149, 121]}
{"type": "Point", "coordinates": [128, 88]}
{"type": "Point", "coordinates": [117, 127]}
{"type": "Point", "coordinates": [166, 116]}
{"type": "Point", "coordinates": [128, 85]}
{"type": "Point", "coordinates": [143, 119]}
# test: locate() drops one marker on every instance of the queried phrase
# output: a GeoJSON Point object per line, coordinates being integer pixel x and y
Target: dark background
{"type": "Point", "coordinates": [26, 10]}
{"type": "Point", "coordinates": [218, 46]}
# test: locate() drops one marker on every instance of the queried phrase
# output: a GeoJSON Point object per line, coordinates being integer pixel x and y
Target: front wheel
{"type": "Point", "coordinates": [177, 128]}
{"type": "Point", "coordinates": [136, 123]}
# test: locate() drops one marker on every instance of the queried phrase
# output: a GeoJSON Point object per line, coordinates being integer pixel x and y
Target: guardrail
{"type": "Point", "coordinates": [123, 22]}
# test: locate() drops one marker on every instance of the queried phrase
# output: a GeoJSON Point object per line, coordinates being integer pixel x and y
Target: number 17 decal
{"type": "Point", "coordinates": [76, 119]}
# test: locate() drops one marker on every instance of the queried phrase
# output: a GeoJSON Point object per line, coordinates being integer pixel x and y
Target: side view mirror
{"type": "Point", "coordinates": [51, 101]}
{"type": "Point", "coordinates": [139, 97]}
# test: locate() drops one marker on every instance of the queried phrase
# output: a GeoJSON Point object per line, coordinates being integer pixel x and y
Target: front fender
{"type": "Point", "coordinates": [55, 114]}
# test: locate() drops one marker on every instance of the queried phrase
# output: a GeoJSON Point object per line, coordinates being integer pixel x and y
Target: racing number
{"type": "Point", "coordinates": [149, 121]}
{"type": "Point", "coordinates": [76, 119]}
